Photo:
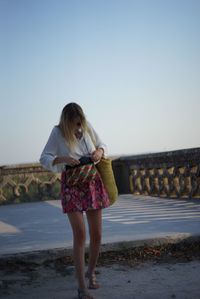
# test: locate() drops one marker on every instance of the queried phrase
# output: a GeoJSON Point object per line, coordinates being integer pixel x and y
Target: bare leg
{"type": "Point", "coordinates": [94, 218]}
{"type": "Point", "coordinates": [79, 234]}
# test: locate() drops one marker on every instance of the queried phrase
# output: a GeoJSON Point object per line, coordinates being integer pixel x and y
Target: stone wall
{"type": "Point", "coordinates": [27, 182]}
{"type": "Point", "coordinates": [174, 174]}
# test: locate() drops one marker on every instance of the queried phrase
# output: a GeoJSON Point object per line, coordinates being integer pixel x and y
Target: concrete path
{"type": "Point", "coordinates": [32, 227]}
{"type": "Point", "coordinates": [42, 225]}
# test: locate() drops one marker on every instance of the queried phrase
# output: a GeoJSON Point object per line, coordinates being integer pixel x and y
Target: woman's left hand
{"type": "Point", "coordinates": [97, 155]}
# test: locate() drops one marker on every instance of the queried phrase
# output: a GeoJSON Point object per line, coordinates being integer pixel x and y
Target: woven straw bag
{"type": "Point", "coordinates": [104, 167]}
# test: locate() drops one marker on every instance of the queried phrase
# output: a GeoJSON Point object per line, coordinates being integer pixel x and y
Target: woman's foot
{"type": "Point", "coordinates": [84, 294]}
{"type": "Point", "coordinates": [93, 284]}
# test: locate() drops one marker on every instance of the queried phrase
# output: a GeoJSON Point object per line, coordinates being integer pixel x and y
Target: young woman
{"type": "Point", "coordinates": [71, 140]}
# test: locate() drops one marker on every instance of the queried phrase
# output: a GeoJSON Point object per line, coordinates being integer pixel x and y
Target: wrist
{"type": "Point", "coordinates": [101, 150]}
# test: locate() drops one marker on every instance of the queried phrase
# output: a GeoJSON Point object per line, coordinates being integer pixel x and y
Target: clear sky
{"type": "Point", "coordinates": [134, 67]}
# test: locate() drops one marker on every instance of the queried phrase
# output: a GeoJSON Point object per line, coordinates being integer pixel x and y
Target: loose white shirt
{"type": "Point", "coordinates": [57, 146]}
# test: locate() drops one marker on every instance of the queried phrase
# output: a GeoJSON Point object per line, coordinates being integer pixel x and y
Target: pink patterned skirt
{"type": "Point", "coordinates": [89, 196]}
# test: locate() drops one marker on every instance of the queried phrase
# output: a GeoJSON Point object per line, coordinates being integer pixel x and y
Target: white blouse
{"type": "Point", "coordinates": [57, 146]}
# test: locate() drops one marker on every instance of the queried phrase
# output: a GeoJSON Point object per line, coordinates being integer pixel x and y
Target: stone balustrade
{"type": "Point", "coordinates": [27, 182]}
{"type": "Point", "coordinates": [174, 174]}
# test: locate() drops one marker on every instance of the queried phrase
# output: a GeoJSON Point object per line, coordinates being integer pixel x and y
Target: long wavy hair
{"type": "Point", "coordinates": [70, 113]}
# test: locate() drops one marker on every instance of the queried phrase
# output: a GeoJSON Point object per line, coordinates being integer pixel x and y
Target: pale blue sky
{"type": "Point", "coordinates": [134, 67]}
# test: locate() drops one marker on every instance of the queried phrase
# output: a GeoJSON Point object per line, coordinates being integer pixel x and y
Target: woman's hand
{"type": "Point", "coordinates": [97, 155]}
{"type": "Point", "coordinates": [69, 161]}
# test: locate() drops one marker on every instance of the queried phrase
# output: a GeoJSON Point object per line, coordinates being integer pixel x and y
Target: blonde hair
{"type": "Point", "coordinates": [70, 113]}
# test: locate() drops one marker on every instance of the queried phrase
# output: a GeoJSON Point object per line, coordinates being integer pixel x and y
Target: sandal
{"type": "Point", "coordinates": [93, 284]}
{"type": "Point", "coordinates": [83, 294]}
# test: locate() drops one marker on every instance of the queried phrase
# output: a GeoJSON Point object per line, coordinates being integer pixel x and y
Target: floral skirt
{"type": "Point", "coordinates": [89, 196]}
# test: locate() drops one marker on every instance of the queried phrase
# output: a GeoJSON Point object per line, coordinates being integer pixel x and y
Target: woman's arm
{"type": "Point", "coordinates": [97, 140]}
{"type": "Point", "coordinates": [49, 157]}
{"type": "Point", "coordinates": [50, 151]}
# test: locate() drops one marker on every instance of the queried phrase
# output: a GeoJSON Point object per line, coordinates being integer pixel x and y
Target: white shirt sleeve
{"type": "Point", "coordinates": [98, 142]}
{"type": "Point", "coordinates": [49, 153]}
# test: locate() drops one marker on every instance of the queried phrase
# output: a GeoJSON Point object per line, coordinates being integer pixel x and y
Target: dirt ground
{"type": "Point", "coordinates": [142, 273]}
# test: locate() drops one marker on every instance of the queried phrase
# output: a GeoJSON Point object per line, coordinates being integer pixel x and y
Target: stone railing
{"type": "Point", "coordinates": [174, 174]}
{"type": "Point", "coordinates": [27, 182]}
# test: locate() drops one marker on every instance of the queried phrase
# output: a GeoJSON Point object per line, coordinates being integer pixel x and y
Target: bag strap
{"type": "Point", "coordinates": [91, 136]}
{"type": "Point", "coordinates": [86, 144]}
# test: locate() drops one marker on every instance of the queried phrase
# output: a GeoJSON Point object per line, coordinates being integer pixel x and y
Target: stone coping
{"type": "Point", "coordinates": [42, 256]}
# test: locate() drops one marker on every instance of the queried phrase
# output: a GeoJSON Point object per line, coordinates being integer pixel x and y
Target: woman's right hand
{"type": "Point", "coordinates": [67, 160]}
{"type": "Point", "coordinates": [70, 161]}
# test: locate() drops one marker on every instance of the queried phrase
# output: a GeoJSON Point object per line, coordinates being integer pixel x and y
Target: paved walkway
{"type": "Point", "coordinates": [42, 225]}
